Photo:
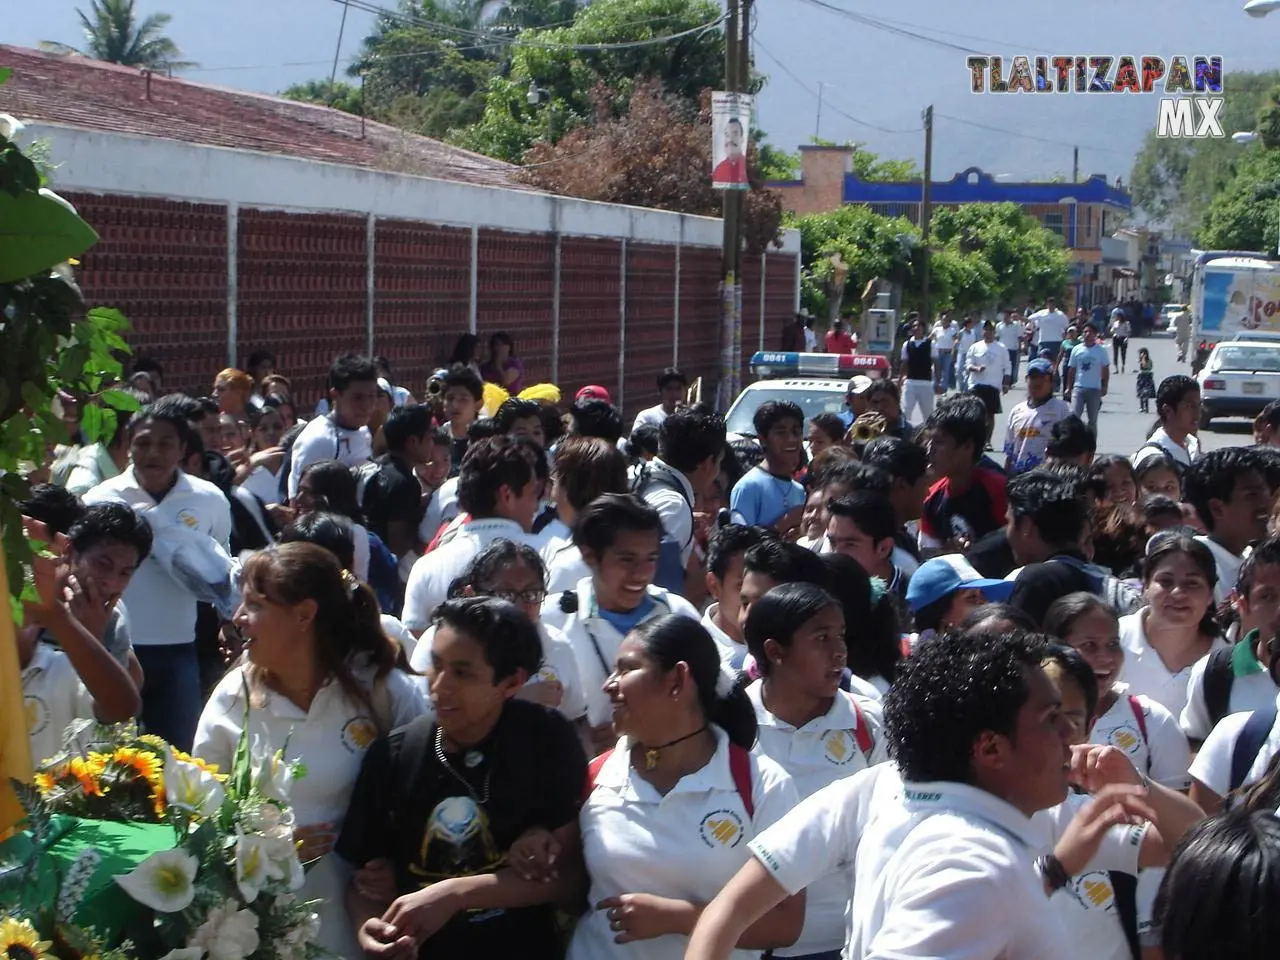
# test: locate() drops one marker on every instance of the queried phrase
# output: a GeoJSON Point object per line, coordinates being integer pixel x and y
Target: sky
{"type": "Point", "coordinates": [875, 81]}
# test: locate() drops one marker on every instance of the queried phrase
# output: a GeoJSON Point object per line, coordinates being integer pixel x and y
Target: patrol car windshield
{"type": "Point", "coordinates": [811, 402]}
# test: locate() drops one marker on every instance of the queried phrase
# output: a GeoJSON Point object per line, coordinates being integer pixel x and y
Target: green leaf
{"type": "Point", "coordinates": [38, 232]}
{"type": "Point", "coordinates": [33, 396]}
{"type": "Point", "coordinates": [91, 422]}
{"type": "Point", "coordinates": [119, 400]}
{"type": "Point", "coordinates": [108, 318]}
{"type": "Point", "coordinates": [5, 74]}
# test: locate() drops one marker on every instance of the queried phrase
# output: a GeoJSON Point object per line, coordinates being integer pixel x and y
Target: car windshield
{"type": "Point", "coordinates": [811, 403]}
{"type": "Point", "coordinates": [1173, 308]}
{"type": "Point", "coordinates": [1249, 357]}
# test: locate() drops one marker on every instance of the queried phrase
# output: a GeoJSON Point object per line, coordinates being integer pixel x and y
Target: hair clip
{"type": "Point", "coordinates": [349, 579]}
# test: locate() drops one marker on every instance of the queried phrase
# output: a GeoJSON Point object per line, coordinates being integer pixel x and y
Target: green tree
{"type": "Point", "coordinates": [1174, 181]}
{"type": "Point", "coordinates": [565, 81]}
{"type": "Point", "coordinates": [868, 243]}
{"type": "Point", "coordinates": [1244, 215]}
{"type": "Point", "coordinates": [113, 33]}
{"type": "Point", "coordinates": [1026, 259]}
{"type": "Point", "coordinates": [776, 163]}
{"type": "Point", "coordinates": [48, 343]}
{"type": "Point", "coordinates": [870, 167]}
{"type": "Point", "coordinates": [339, 95]}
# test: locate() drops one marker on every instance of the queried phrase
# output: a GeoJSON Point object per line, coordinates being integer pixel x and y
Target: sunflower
{"type": "Point", "coordinates": [86, 771]}
{"type": "Point", "coordinates": [151, 740]}
{"type": "Point", "coordinates": [45, 783]}
{"type": "Point", "coordinates": [19, 941]}
{"type": "Point", "coordinates": [205, 765]}
{"type": "Point", "coordinates": [143, 762]}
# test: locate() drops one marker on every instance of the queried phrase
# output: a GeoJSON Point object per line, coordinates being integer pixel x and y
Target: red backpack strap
{"type": "Point", "coordinates": [862, 733]}
{"type": "Point", "coordinates": [593, 771]}
{"type": "Point", "coordinates": [1136, 706]}
{"type": "Point", "coordinates": [740, 770]}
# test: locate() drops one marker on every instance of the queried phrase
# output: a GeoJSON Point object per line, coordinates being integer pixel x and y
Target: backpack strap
{"type": "Point", "coordinates": [1124, 888]}
{"type": "Point", "coordinates": [1249, 745]}
{"type": "Point", "coordinates": [1218, 679]}
{"type": "Point", "coordinates": [407, 763]}
{"type": "Point", "coordinates": [739, 769]}
{"type": "Point", "coordinates": [1139, 715]}
{"type": "Point", "coordinates": [861, 732]}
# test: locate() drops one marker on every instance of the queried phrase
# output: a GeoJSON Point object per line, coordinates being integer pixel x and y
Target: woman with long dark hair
{"type": "Point", "coordinates": [503, 366]}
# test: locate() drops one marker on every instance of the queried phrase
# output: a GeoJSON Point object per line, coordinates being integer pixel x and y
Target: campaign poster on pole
{"type": "Point", "coordinates": [730, 132]}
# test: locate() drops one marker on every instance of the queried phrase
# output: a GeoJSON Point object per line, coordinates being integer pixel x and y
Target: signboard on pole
{"type": "Point", "coordinates": [730, 133]}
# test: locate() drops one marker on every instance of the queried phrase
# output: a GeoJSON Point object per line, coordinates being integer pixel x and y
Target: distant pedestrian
{"type": "Point", "coordinates": [1146, 381]}
{"type": "Point", "coordinates": [838, 339]}
{"type": "Point", "coordinates": [1088, 373]}
{"type": "Point", "coordinates": [1120, 332]}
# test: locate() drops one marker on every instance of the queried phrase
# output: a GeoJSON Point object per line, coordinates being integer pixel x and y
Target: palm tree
{"type": "Point", "coordinates": [113, 33]}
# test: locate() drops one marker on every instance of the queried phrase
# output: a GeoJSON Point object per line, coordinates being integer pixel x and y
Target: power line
{"type": "Point", "coordinates": [834, 109]}
{"type": "Point", "coordinates": [888, 27]}
{"type": "Point", "coordinates": [1029, 136]}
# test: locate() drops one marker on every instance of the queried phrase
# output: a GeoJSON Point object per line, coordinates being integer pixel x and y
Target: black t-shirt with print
{"type": "Point", "coordinates": [417, 814]}
{"type": "Point", "coordinates": [393, 493]}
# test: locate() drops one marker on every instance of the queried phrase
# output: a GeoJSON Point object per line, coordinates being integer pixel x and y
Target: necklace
{"type": "Point", "coordinates": [472, 758]}
{"type": "Point", "coordinates": [651, 753]}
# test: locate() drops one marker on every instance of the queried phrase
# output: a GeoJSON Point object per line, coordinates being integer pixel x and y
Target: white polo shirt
{"type": "Point", "coordinates": [1162, 754]}
{"type": "Point", "coordinates": [1250, 691]}
{"type": "Point", "coordinates": [676, 509]}
{"type": "Point", "coordinates": [944, 338]}
{"type": "Point", "coordinates": [686, 844]}
{"type": "Point", "coordinates": [433, 573]}
{"type": "Point", "coordinates": [170, 608]}
{"type": "Point", "coordinates": [441, 508]}
{"type": "Point", "coordinates": [1050, 325]}
{"type": "Point", "coordinates": [552, 539]}
{"type": "Point", "coordinates": [565, 568]}
{"type": "Point", "coordinates": [1145, 672]}
{"type": "Point", "coordinates": [733, 653]}
{"type": "Point", "coordinates": [330, 740]}
{"type": "Point", "coordinates": [994, 358]}
{"type": "Point", "coordinates": [559, 665]}
{"type": "Point", "coordinates": [595, 641]}
{"type": "Point", "coordinates": [818, 754]}
{"type": "Point", "coordinates": [323, 439]}
{"type": "Point", "coordinates": [1212, 765]}
{"type": "Point", "coordinates": [53, 697]}
{"type": "Point", "coordinates": [949, 873]}
{"type": "Point", "coordinates": [650, 417]}
{"type": "Point", "coordinates": [1228, 565]}
{"type": "Point", "coordinates": [1009, 334]}
{"type": "Point", "coordinates": [1181, 453]}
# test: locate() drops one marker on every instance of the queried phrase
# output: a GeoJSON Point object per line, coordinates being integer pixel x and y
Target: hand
{"type": "Point", "coordinates": [44, 569]}
{"type": "Point", "coordinates": [1094, 767]}
{"type": "Point", "coordinates": [376, 881]}
{"type": "Point", "coordinates": [790, 520]}
{"type": "Point", "coordinates": [423, 913]}
{"type": "Point", "coordinates": [640, 916]}
{"type": "Point", "coordinates": [379, 941]}
{"type": "Point", "coordinates": [547, 693]}
{"type": "Point", "coordinates": [237, 457]}
{"type": "Point", "coordinates": [314, 840]}
{"type": "Point", "coordinates": [85, 604]}
{"type": "Point", "coordinates": [702, 523]}
{"type": "Point", "coordinates": [230, 643]}
{"type": "Point", "coordinates": [281, 515]}
{"type": "Point", "coordinates": [534, 854]}
{"type": "Point", "coordinates": [271, 459]}
{"type": "Point", "coordinates": [1066, 395]}
{"type": "Point", "coordinates": [1104, 391]}
{"type": "Point", "coordinates": [1115, 804]}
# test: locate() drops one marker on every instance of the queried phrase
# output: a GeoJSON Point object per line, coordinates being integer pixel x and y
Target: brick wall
{"type": "Point", "coordinates": [303, 288]}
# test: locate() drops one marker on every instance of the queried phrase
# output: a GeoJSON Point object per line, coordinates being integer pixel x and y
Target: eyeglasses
{"type": "Point", "coordinates": [527, 598]}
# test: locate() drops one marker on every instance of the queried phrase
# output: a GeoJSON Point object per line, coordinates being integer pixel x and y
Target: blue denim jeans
{"type": "Point", "coordinates": [171, 701]}
{"type": "Point", "coordinates": [1087, 400]}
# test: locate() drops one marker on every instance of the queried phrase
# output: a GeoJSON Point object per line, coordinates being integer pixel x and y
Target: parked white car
{"type": "Point", "coordinates": [1168, 314]}
{"type": "Point", "coordinates": [1239, 378]}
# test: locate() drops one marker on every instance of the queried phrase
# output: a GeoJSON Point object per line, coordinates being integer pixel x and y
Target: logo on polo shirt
{"type": "Point", "coordinates": [721, 828]}
{"type": "Point", "coordinates": [1125, 737]}
{"type": "Point", "coordinates": [838, 746]}
{"type": "Point", "coordinates": [189, 518]}
{"type": "Point", "coordinates": [358, 734]}
{"type": "Point", "coordinates": [37, 714]}
{"type": "Point", "coordinates": [1094, 891]}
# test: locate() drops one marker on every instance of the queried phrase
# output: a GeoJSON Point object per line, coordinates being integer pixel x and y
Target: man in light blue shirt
{"type": "Point", "coordinates": [768, 495]}
{"type": "Point", "coordinates": [1088, 374]}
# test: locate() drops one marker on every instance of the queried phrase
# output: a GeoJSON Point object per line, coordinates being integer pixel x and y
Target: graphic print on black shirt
{"type": "Point", "coordinates": [971, 514]}
{"type": "Point", "coordinates": [408, 808]}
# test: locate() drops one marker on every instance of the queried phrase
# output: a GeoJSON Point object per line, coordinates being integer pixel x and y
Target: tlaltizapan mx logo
{"type": "Point", "coordinates": [1190, 87]}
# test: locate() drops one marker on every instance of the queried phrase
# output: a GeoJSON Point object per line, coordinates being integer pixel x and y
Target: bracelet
{"type": "Point", "coordinates": [1052, 872]}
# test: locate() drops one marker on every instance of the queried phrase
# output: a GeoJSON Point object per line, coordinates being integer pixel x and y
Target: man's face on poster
{"type": "Point", "coordinates": [733, 138]}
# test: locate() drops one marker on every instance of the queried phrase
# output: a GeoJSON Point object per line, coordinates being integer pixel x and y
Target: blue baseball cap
{"type": "Point", "coordinates": [945, 575]}
{"type": "Point", "coordinates": [1040, 366]}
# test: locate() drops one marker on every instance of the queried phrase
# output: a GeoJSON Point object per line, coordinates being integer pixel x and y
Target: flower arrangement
{"type": "Point", "coordinates": [169, 859]}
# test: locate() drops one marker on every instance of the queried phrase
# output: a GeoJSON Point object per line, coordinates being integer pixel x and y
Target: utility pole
{"type": "Point", "coordinates": [735, 42]}
{"type": "Point", "coordinates": [817, 127]}
{"type": "Point", "coordinates": [1075, 164]}
{"type": "Point", "coordinates": [743, 86]}
{"type": "Point", "coordinates": [926, 212]}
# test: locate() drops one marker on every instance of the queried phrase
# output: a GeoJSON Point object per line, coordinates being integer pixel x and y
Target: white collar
{"type": "Point", "coordinates": [616, 772]}
{"type": "Point", "coordinates": [945, 796]}
{"type": "Point", "coordinates": [709, 622]}
{"type": "Point", "coordinates": [1221, 554]}
{"type": "Point", "coordinates": [656, 463]}
{"type": "Point", "coordinates": [841, 715]}
{"type": "Point", "coordinates": [589, 609]}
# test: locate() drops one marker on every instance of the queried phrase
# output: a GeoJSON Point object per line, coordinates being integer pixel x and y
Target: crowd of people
{"type": "Point", "coordinates": [848, 688]}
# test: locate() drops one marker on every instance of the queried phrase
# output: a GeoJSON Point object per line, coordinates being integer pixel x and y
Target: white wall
{"type": "Point", "coordinates": [97, 162]}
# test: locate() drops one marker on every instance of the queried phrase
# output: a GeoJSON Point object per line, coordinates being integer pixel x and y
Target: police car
{"type": "Point", "coordinates": [816, 382]}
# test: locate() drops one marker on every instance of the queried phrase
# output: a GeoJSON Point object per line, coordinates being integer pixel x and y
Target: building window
{"type": "Point", "coordinates": [1053, 221]}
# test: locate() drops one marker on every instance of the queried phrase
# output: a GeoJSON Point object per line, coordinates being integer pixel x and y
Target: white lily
{"type": "Point", "coordinates": [227, 933]}
{"type": "Point", "coordinates": [285, 855]}
{"type": "Point", "coordinates": [274, 776]}
{"type": "Point", "coordinates": [184, 953]}
{"type": "Point", "coordinates": [272, 821]}
{"type": "Point", "coordinates": [10, 126]}
{"type": "Point", "coordinates": [256, 865]}
{"type": "Point", "coordinates": [189, 788]}
{"type": "Point", "coordinates": [165, 881]}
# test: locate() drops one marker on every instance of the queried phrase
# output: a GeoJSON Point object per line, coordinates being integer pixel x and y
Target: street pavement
{"type": "Point", "coordinates": [1121, 428]}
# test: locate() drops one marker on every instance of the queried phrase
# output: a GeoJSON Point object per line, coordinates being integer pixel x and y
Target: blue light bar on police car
{"type": "Point", "coordinates": [835, 365]}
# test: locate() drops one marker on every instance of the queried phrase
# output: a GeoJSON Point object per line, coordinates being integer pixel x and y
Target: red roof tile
{"type": "Point", "coordinates": [91, 94]}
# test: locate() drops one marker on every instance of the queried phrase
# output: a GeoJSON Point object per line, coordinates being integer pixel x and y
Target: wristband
{"type": "Point", "coordinates": [1052, 872]}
